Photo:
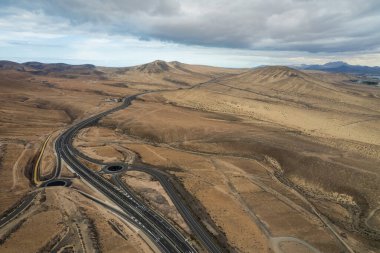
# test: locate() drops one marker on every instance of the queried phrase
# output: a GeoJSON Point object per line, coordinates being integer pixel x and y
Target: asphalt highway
{"type": "Point", "coordinates": [201, 233]}
{"type": "Point", "coordinates": [165, 236]}
{"type": "Point", "coordinates": [193, 222]}
{"type": "Point", "coordinates": [16, 211]}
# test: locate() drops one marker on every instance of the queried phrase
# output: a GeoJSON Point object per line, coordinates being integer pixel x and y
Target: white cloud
{"type": "Point", "coordinates": [219, 32]}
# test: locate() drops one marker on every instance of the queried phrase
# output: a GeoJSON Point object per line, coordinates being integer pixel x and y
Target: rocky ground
{"type": "Point", "coordinates": [270, 159]}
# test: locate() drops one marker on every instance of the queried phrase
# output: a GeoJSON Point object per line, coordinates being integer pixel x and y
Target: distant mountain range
{"type": "Point", "coordinates": [38, 66]}
{"type": "Point", "coordinates": [161, 66]}
{"type": "Point", "coordinates": [55, 69]}
{"type": "Point", "coordinates": [342, 67]}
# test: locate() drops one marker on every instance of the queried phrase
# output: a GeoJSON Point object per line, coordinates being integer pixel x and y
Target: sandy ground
{"type": "Point", "coordinates": [257, 153]}
{"type": "Point", "coordinates": [151, 191]}
{"type": "Point", "coordinates": [63, 218]}
{"type": "Point", "coordinates": [312, 162]}
{"type": "Point", "coordinates": [34, 106]}
{"type": "Point", "coordinates": [14, 157]}
{"type": "Point", "coordinates": [31, 109]}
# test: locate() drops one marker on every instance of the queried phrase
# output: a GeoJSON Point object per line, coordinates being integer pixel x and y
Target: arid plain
{"type": "Point", "coordinates": [269, 159]}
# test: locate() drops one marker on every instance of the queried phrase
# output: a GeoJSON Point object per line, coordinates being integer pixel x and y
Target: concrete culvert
{"type": "Point", "coordinates": [56, 183]}
{"type": "Point", "coordinates": [114, 168]}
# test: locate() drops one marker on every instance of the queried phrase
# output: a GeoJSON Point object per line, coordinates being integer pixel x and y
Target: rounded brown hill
{"type": "Point", "coordinates": [290, 98]}
{"type": "Point", "coordinates": [274, 74]}
{"type": "Point", "coordinates": [167, 75]}
{"type": "Point", "coordinates": [279, 79]}
{"type": "Point", "coordinates": [153, 67]}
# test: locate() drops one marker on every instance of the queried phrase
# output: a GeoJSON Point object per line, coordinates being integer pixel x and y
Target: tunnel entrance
{"type": "Point", "coordinates": [114, 168]}
{"type": "Point", "coordinates": [57, 182]}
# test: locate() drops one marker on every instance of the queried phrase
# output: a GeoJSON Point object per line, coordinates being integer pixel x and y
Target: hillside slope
{"type": "Point", "coordinates": [294, 99]}
{"type": "Point", "coordinates": [168, 75]}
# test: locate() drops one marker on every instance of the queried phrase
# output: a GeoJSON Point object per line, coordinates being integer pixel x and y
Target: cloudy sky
{"type": "Point", "coordinates": [238, 33]}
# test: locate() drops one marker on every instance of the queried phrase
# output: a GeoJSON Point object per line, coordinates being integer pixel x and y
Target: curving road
{"type": "Point", "coordinates": [200, 232]}
{"type": "Point", "coordinates": [165, 236]}
{"type": "Point", "coordinates": [25, 203]}
{"type": "Point", "coordinates": [203, 236]}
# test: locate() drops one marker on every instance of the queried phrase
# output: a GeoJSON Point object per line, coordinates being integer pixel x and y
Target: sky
{"type": "Point", "coordinates": [238, 33]}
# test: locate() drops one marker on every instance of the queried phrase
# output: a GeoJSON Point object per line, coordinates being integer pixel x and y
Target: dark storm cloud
{"type": "Point", "coordinates": [289, 25]}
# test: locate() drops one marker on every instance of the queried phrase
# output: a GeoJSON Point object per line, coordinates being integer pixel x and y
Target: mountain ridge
{"type": "Point", "coordinates": [341, 67]}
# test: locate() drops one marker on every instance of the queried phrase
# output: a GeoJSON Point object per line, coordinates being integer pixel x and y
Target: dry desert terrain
{"type": "Point", "coordinates": [269, 159]}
